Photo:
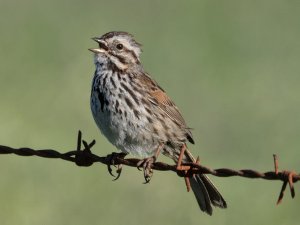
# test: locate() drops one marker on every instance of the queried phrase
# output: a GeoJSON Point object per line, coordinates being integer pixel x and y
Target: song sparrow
{"type": "Point", "coordinates": [135, 114]}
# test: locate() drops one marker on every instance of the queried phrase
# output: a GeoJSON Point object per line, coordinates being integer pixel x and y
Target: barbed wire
{"type": "Point", "coordinates": [84, 157]}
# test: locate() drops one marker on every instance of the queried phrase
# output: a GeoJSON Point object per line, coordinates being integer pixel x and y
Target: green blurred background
{"type": "Point", "coordinates": [232, 67]}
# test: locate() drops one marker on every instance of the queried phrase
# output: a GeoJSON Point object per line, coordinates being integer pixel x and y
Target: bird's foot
{"type": "Point", "coordinates": [111, 162]}
{"type": "Point", "coordinates": [146, 164]}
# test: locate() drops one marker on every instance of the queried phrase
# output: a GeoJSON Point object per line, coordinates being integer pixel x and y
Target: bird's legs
{"type": "Point", "coordinates": [146, 163]}
{"type": "Point", "coordinates": [112, 160]}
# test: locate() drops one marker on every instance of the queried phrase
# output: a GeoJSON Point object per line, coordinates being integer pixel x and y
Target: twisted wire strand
{"type": "Point", "coordinates": [84, 157]}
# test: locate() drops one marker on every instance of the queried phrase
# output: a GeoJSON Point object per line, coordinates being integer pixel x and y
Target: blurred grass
{"type": "Point", "coordinates": [232, 67]}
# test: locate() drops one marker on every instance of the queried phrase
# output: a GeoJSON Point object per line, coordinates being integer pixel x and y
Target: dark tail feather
{"type": "Point", "coordinates": [205, 191]}
{"type": "Point", "coordinates": [201, 194]}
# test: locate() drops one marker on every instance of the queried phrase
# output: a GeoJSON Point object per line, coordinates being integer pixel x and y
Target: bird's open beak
{"type": "Point", "coordinates": [102, 46]}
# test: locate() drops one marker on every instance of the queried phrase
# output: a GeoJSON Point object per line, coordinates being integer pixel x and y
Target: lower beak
{"type": "Point", "coordinates": [97, 50]}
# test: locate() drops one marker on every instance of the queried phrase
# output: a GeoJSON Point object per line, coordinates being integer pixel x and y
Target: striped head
{"type": "Point", "coordinates": [117, 49]}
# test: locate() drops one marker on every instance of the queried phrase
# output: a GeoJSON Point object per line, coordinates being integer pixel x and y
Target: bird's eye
{"type": "Point", "coordinates": [119, 46]}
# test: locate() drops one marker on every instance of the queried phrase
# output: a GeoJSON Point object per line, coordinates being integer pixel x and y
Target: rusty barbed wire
{"type": "Point", "coordinates": [84, 157]}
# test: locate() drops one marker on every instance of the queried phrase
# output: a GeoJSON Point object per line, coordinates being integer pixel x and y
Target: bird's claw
{"type": "Point", "coordinates": [146, 164]}
{"type": "Point", "coordinates": [111, 159]}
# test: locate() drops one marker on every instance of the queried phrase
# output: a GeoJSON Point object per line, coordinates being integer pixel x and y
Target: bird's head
{"type": "Point", "coordinates": [117, 48]}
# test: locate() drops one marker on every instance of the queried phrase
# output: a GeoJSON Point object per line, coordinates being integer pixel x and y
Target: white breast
{"type": "Point", "coordinates": [123, 130]}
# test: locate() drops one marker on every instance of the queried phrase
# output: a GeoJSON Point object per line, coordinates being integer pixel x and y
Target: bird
{"type": "Point", "coordinates": [137, 116]}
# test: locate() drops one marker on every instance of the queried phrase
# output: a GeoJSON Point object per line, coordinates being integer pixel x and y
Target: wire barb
{"type": "Point", "coordinates": [85, 157]}
{"type": "Point", "coordinates": [288, 177]}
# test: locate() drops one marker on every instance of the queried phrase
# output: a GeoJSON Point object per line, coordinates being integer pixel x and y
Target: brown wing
{"type": "Point", "coordinates": [168, 106]}
{"type": "Point", "coordinates": [159, 97]}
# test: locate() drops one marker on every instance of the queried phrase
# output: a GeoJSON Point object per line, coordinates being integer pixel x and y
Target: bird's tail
{"type": "Point", "coordinates": [205, 191]}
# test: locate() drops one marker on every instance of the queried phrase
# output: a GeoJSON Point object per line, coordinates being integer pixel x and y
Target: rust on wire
{"type": "Point", "coordinates": [275, 163]}
{"type": "Point", "coordinates": [85, 157]}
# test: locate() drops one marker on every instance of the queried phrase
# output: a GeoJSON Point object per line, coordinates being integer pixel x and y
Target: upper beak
{"type": "Point", "coordinates": [102, 46]}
